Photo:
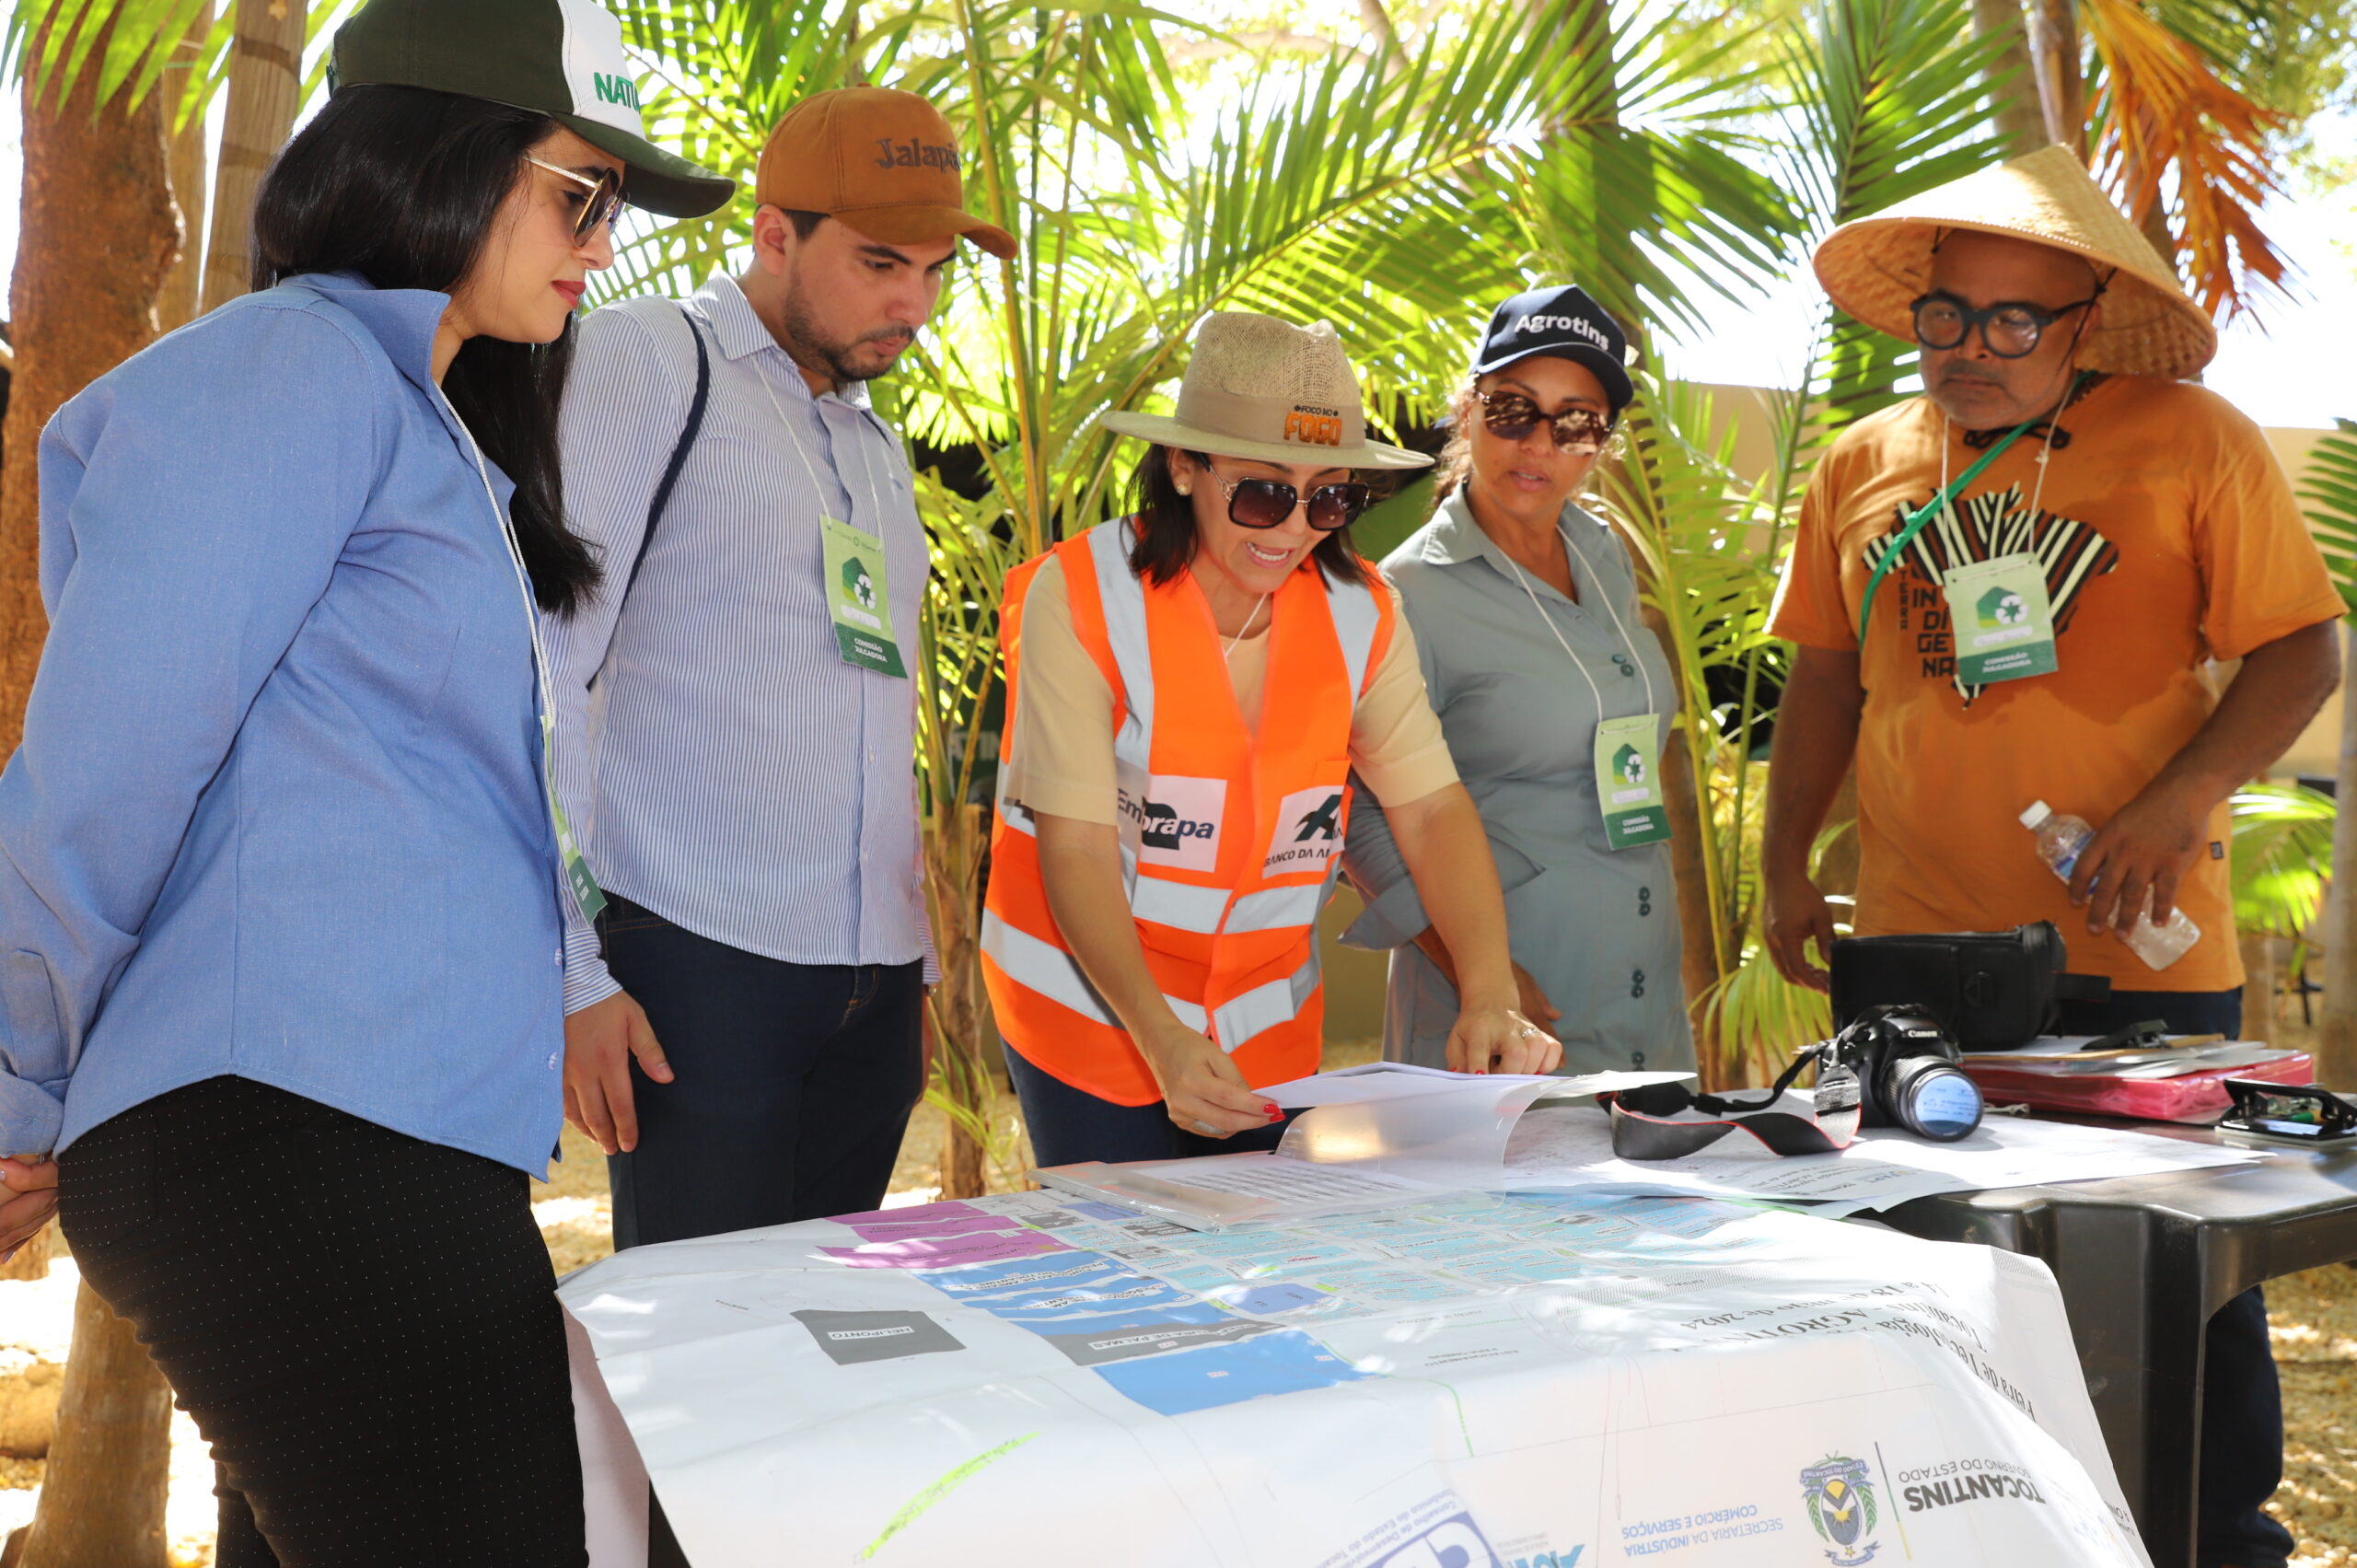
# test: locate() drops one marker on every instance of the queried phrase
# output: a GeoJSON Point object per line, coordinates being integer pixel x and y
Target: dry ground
{"type": "Point", "coordinates": [2313, 1316]}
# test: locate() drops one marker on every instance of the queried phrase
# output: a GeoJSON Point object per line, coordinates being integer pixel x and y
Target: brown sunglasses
{"type": "Point", "coordinates": [599, 207]}
{"type": "Point", "coordinates": [1510, 416]}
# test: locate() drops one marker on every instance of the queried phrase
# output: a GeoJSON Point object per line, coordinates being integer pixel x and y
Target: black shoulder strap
{"type": "Point", "coordinates": [679, 452]}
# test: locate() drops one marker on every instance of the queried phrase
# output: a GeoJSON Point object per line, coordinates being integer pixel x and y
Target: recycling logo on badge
{"type": "Point", "coordinates": [1840, 1495]}
{"type": "Point", "coordinates": [1629, 766]}
{"type": "Point", "coordinates": [858, 586]}
{"type": "Point", "coordinates": [2001, 606]}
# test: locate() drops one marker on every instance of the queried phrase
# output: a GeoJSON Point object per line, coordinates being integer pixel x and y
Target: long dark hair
{"type": "Point", "coordinates": [1165, 532]}
{"type": "Point", "coordinates": [401, 185]}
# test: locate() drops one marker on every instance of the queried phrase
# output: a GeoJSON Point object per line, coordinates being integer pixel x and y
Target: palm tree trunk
{"type": "Point", "coordinates": [185, 287]}
{"type": "Point", "coordinates": [265, 89]}
{"type": "Point", "coordinates": [99, 236]}
{"type": "Point", "coordinates": [1699, 961]}
{"type": "Point", "coordinates": [2259, 982]}
{"type": "Point", "coordinates": [2337, 1029]}
{"type": "Point", "coordinates": [102, 1497]}
{"type": "Point", "coordinates": [2013, 85]}
{"type": "Point", "coordinates": [958, 1070]}
{"type": "Point", "coordinates": [2062, 79]}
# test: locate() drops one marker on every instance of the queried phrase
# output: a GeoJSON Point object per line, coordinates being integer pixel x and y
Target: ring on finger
{"type": "Point", "coordinates": [1205, 1128]}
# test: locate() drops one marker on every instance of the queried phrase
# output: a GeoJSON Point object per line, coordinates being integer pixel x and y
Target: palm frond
{"type": "Point", "coordinates": [2164, 114]}
{"type": "Point", "coordinates": [2329, 481]}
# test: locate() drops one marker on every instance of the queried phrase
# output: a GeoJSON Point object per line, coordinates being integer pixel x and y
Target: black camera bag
{"type": "Point", "coordinates": [1993, 990]}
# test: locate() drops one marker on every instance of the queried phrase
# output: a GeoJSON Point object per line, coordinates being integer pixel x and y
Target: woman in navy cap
{"type": "Point", "coordinates": [1556, 701]}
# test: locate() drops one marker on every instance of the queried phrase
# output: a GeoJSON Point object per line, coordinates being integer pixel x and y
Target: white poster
{"type": "Point", "coordinates": [1523, 1381]}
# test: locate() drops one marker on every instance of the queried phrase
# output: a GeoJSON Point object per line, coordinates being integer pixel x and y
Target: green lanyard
{"type": "Point", "coordinates": [1944, 500]}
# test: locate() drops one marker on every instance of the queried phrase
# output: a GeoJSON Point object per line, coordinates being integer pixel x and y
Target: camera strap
{"type": "Point", "coordinates": [1644, 1128]}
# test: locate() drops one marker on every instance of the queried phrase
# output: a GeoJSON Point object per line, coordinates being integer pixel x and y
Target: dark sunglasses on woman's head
{"type": "Point", "coordinates": [1510, 416]}
{"type": "Point", "coordinates": [2011, 328]}
{"type": "Point", "coordinates": [1265, 503]}
{"type": "Point", "coordinates": [601, 199]}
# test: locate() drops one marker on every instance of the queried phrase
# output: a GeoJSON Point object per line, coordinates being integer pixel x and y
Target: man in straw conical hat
{"type": "Point", "coordinates": [2004, 592]}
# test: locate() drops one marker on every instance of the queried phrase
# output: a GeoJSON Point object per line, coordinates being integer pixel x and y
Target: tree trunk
{"type": "Point", "coordinates": [102, 1497]}
{"type": "Point", "coordinates": [2061, 83]}
{"type": "Point", "coordinates": [2013, 84]}
{"type": "Point", "coordinates": [958, 1074]}
{"type": "Point", "coordinates": [265, 89]}
{"type": "Point", "coordinates": [99, 235]}
{"type": "Point", "coordinates": [1721, 1068]}
{"type": "Point", "coordinates": [178, 305]}
{"type": "Point", "coordinates": [2259, 981]}
{"type": "Point", "coordinates": [2337, 1025]}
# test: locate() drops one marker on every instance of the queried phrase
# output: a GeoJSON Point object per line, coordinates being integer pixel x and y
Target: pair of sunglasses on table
{"type": "Point", "coordinates": [602, 201]}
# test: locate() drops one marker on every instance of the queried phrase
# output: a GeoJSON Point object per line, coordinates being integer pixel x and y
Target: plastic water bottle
{"type": "Point", "coordinates": [2059, 840]}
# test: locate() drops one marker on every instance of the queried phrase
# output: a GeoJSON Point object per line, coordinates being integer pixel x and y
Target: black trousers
{"type": "Point", "coordinates": [790, 1088]}
{"type": "Point", "coordinates": [363, 1325]}
{"type": "Point", "coordinates": [2242, 1401]}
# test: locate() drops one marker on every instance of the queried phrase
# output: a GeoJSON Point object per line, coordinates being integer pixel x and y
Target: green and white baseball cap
{"type": "Point", "coordinates": [561, 57]}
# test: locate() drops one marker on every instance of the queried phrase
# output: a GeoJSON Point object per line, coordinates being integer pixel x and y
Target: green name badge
{"type": "Point", "coordinates": [1628, 785]}
{"type": "Point", "coordinates": [859, 599]}
{"type": "Point", "coordinates": [586, 890]}
{"type": "Point", "coordinates": [2003, 624]}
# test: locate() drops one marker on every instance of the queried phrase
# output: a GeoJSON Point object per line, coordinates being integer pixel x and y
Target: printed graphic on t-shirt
{"type": "Point", "coordinates": [1176, 820]}
{"type": "Point", "coordinates": [1308, 832]}
{"type": "Point", "coordinates": [1981, 528]}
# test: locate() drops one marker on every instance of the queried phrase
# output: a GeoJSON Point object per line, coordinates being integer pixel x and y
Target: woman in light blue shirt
{"type": "Point", "coordinates": [1556, 701]}
{"type": "Point", "coordinates": [281, 898]}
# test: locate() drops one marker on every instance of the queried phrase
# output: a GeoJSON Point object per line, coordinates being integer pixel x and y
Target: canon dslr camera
{"type": "Point", "coordinates": [1904, 1066]}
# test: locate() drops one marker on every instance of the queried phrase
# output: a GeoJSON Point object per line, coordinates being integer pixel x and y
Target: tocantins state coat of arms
{"type": "Point", "coordinates": [1841, 1495]}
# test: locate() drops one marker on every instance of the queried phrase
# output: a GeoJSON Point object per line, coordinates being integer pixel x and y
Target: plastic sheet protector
{"type": "Point", "coordinates": [1518, 1381]}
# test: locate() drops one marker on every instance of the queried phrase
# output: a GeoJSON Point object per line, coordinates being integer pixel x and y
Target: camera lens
{"type": "Point", "coordinates": [1931, 1097]}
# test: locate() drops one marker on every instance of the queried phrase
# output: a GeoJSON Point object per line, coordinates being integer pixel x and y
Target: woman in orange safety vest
{"type": "Point", "coordinates": [1193, 694]}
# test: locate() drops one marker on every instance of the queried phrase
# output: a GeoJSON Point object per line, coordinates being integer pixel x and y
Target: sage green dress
{"type": "Point", "coordinates": [1595, 926]}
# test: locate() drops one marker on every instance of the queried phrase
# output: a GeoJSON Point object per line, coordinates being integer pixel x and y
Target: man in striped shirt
{"type": "Point", "coordinates": [734, 718]}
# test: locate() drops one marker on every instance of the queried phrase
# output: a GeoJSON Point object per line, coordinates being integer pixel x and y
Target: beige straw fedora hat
{"type": "Point", "coordinates": [1876, 267]}
{"type": "Point", "coordinates": [1260, 388]}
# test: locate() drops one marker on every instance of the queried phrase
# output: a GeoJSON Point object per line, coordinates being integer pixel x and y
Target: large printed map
{"type": "Point", "coordinates": [1519, 1381]}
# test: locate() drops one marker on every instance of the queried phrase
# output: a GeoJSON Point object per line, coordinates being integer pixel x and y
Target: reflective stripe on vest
{"type": "Point", "coordinates": [1055, 974]}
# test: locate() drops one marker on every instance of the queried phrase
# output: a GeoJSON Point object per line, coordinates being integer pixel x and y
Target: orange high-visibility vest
{"type": "Point", "coordinates": [1230, 839]}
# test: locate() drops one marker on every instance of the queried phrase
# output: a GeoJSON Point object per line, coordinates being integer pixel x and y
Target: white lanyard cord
{"type": "Point", "coordinates": [818, 491]}
{"type": "Point", "coordinates": [2037, 491]}
{"type": "Point", "coordinates": [514, 559]}
{"type": "Point", "coordinates": [1617, 625]}
{"type": "Point", "coordinates": [1635, 654]}
{"type": "Point", "coordinates": [1248, 620]}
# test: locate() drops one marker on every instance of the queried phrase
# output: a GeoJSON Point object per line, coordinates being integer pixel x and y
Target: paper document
{"type": "Point", "coordinates": [1397, 1080]}
{"type": "Point", "coordinates": [1462, 1128]}
{"type": "Point", "coordinates": [1381, 1080]}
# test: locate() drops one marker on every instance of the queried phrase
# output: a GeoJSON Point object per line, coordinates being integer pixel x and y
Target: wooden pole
{"type": "Point", "coordinates": [265, 89]}
{"type": "Point", "coordinates": [185, 160]}
{"type": "Point", "coordinates": [2337, 1021]}
{"type": "Point", "coordinates": [2013, 84]}
{"type": "Point", "coordinates": [102, 1496]}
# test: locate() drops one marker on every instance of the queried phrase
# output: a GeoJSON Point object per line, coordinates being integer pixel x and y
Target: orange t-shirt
{"type": "Point", "coordinates": [2170, 537]}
